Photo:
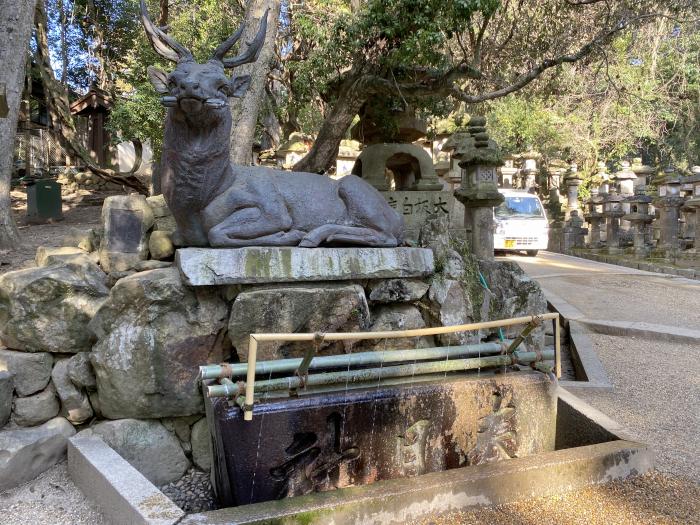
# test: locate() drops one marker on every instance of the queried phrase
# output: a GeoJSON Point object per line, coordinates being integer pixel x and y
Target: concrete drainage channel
{"type": "Point", "coordinates": [590, 449]}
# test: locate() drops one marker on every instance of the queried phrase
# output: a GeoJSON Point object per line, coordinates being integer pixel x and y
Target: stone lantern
{"type": "Point", "coordinates": [479, 157]}
{"type": "Point", "coordinates": [612, 210]}
{"type": "Point", "coordinates": [556, 169]}
{"type": "Point", "coordinates": [669, 203]}
{"type": "Point", "coordinates": [508, 172]}
{"type": "Point", "coordinates": [639, 217]}
{"type": "Point", "coordinates": [643, 172]}
{"type": "Point", "coordinates": [528, 172]}
{"type": "Point", "coordinates": [624, 179]}
{"type": "Point", "coordinates": [594, 217]}
{"type": "Point", "coordinates": [693, 203]}
{"type": "Point", "coordinates": [574, 232]}
{"type": "Point", "coordinates": [602, 178]}
{"type": "Point", "coordinates": [572, 181]}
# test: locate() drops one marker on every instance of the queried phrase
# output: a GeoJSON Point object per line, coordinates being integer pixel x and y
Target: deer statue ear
{"type": "Point", "coordinates": [159, 79]}
{"type": "Point", "coordinates": [239, 85]}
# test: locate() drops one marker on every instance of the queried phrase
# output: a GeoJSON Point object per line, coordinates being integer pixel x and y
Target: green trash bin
{"type": "Point", "coordinates": [44, 201]}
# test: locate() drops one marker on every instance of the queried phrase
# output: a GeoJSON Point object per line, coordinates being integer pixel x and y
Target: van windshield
{"type": "Point", "coordinates": [521, 207]}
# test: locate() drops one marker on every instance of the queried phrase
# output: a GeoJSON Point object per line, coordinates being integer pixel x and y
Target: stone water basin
{"type": "Point", "coordinates": [325, 441]}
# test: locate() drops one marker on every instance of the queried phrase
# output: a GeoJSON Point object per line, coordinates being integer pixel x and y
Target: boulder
{"type": "Point", "coordinates": [201, 445]}
{"type": "Point", "coordinates": [85, 239]}
{"type": "Point", "coordinates": [113, 277]}
{"type": "Point", "coordinates": [166, 224]}
{"type": "Point", "coordinates": [327, 307]}
{"type": "Point", "coordinates": [46, 255]}
{"type": "Point", "coordinates": [47, 309]}
{"type": "Point", "coordinates": [37, 409]}
{"type": "Point", "coordinates": [450, 304]}
{"type": "Point", "coordinates": [6, 389]}
{"type": "Point", "coordinates": [161, 245]}
{"type": "Point", "coordinates": [180, 426]}
{"type": "Point", "coordinates": [145, 266]}
{"type": "Point", "coordinates": [75, 405]}
{"type": "Point", "coordinates": [32, 371]}
{"type": "Point", "coordinates": [158, 206]}
{"type": "Point", "coordinates": [80, 371]}
{"type": "Point", "coordinates": [514, 295]}
{"type": "Point", "coordinates": [398, 291]}
{"type": "Point", "coordinates": [147, 445]}
{"type": "Point", "coordinates": [27, 452]}
{"type": "Point", "coordinates": [153, 332]}
{"type": "Point", "coordinates": [397, 317]}
{"type": "Point", "coordinates": [126, 220]}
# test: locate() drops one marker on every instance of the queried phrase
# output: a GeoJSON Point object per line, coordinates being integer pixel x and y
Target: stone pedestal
{"type": "Point", "coordinates": [669, 209]}
{"type": "Point", "coordinates": [574, 232]}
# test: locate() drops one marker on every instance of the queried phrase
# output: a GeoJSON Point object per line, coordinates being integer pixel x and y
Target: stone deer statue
{"type": "Point", "coordinates": [219, 204]}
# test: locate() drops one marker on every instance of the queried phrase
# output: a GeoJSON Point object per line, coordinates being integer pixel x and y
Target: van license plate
{"type": "Point", "coordinates": [510, 243]}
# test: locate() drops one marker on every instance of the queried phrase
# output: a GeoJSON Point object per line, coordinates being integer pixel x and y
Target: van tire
{"type": "Point", "coordinates": [531, 253]}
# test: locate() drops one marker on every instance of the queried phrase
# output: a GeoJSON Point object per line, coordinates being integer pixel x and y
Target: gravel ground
{"type": "Point", "coordinates": [638, 297]}
{"type": "Point", "coordinates": [192, 492]}
{"type": "Point", "coordinates": [652, 499]}
{"type": "Point", "coordinates": [35, 235]}
{"type": "Point", "coordinates": [656, 396]}
{"type": "Point", "coordinates": [51, 499]}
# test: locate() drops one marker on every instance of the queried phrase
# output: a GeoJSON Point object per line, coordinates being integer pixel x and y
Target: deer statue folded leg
{"type": "Point", "coordinates": [219, 204]}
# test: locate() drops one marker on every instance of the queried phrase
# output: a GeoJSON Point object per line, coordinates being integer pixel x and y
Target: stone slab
{"type": "Point", "coordinates": [121, 492]}
{"type": "Point", "coordinates": [254, 265]}
{"type": "Point", "coordinates": [416, 206]}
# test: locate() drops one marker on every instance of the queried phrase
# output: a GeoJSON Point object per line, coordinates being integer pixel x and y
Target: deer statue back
{"type": "Point", "coordinates": [216, 203]}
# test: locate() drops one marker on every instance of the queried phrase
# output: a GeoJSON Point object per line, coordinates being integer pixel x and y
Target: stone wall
{"type": "Point", "coordinates": [103, 336]}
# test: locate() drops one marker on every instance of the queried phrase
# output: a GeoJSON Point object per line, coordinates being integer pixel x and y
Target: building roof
{"type": "Point", "coordinates": [95, 99]}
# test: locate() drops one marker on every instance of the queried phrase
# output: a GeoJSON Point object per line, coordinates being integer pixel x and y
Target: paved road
{"type": "Point", "coordinates": [656, 382]}
{"type": "Point", "coordinates": [615, 293]}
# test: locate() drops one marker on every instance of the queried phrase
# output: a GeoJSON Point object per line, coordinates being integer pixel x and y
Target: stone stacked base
{"type": "Point", "coordinates": [86, 342]}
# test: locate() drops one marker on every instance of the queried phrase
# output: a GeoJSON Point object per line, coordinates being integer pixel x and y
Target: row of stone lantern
{"type": "Point", "coordinates": [630, 208]}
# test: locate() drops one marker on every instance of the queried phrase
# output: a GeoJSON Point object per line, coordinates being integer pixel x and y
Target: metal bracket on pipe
{"type": "Point", "coordinates": [303, 371]}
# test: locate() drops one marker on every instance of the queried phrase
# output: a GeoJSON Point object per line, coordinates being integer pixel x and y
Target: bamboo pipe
{"type": "Point", "coordinates": [344, 360]}
{"type": "Point", "coordinates": [254, 338]}
{"type": "Point", "coordinates": [374, 374]}
{"type": "Point", "coordinates": [341, 336]}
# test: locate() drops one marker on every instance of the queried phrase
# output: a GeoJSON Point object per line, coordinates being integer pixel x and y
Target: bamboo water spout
{"type": "Point", "coordinates": [251, 370]}
{"type": "Point", "coordinates": [357, 359]}
{"type": "Point", "coordinates": [229, 389]}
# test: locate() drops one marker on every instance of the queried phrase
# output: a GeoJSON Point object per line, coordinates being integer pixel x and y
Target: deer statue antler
{"type": "Point", "coordinates": [250, 54]}
{"type": "Point", "coordinates": [163, 44]}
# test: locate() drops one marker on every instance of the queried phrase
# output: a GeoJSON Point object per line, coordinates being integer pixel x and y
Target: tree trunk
{"type": "Point", "coordinates": [245, 110]}
{"type": "Point", "coordinates": [16, 17]}
{"type": "Point", "coordinates": [64, 42]}
{"type": "Point", "coordinates": [272, 130]}
{"type": "Point", "coordinates": [164, 13]}
{"type": "Point", "coordinates": [338, 119]}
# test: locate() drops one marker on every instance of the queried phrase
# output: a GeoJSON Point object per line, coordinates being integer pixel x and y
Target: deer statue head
{"type": "Point", "coordinates": [200, 92]}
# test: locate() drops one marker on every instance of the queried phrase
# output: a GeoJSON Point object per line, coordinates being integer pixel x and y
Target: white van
{"type": "Point", "coordinates": [521, 223]}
